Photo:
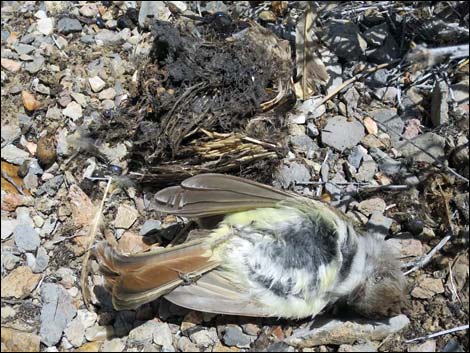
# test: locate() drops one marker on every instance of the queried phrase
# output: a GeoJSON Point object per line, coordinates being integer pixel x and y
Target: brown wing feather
{"type": "Point", "coordinates": [138, 279]}
{"type": "Point", "coordinates": [214, 194]}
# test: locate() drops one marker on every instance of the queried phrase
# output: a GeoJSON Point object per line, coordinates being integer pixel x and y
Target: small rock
{"type": "Point", "coordinates": [205, 338]}
{"type": "Point", "coordinates": [26, 237]}
{"type": "Point", "coordinates": [162, 335]}
{"type": "Point", "coordinates": [312, 130]}
{"type": "Point", "coordinates": [42, 261]}
{"type": "Point", "coordinates": [379, 223]}
{"type": "Point", "coordinates": [430, 142]}
{"type": "Point", "coordinates": [8, 227]}
{"type": "Point", "coordinates": [19, 283]}
{"type": "Point", "coordinates": [90, 347]}
{"type": "Point", "coordinates": [29, 101]}
{"type": "Point", "coordinates": [291, 173]}
{"type": "Point", "coordinates": [386, 53]}
{"type": "Point", "coordinates": [376, 35]}
{"type": "Point", "coordinates": [372, 141]}
{"type": "Point", "coordinates": [149, 226]}
{"type": "Point", "coordinates": [371, 126]}
{"type": "Point", "coordinates": [51, 186]}
{"type": "Point", "coordinates": [10, 65]}
{"type": "Point", "coordinates": [46, 151]}
{"type": "Point", "coordinates": [114, 345]}
{"type": "Point", "coordinates": [427, 288]}
{"type": "Point", "coordinates": [428, 346]}
{"type": "Point", "coordinates": [132, 243]}
{"type": "Point", "coordinates": [367, 207]}
{"type": "Point", "coordinates": [106, 36]}
{"type": "Point", "coordinates": [309, 109]}
{"type": "Point", "coordinates": [185, 345]}
{"type": "Point", "coordinates": [69, 25]}
{"type": "Point", "coordinates": [390, 119]}
{"type": "Point", "coordinates": [344, 39]}
{"type": "Point", "coordinates": [45, 25]}
{"type": "Point", "coordinates": [151, 11]}
{"type": "Point", "coordinates": [97, 333]}
{"type": "Point", "coordinates": [453, 346]}
{"type": "Point", "coordinates": [234, 336]}
{"type": "Point", "coordinates": [386, 164]}
{"type": "Point", "coordinates": [66, 277]}
{"type": "Point", "coordinates": [96, 83]}
{"type": "Point", "coordinates": [340, 133]}
{"type": "Point", "coordinates": [303, 144]}
{"type": "Point", "coordinates": [361, 347]}
{"type": "Point", "coordinates": [34, 66]}
{"type": "Point", "coordinates": [19, 341]}
{"type": "Point", "coordinates": [126, 216]}
{"type": "Point", "coordinates": [89, 10]}
{"type": "Point", "coordinates": [356, 156]}
{"type": "Point", "coordinates": [73, 110]}
{"type": "Point", "coordinates": [144, 333]}
{"type": "Point", "coordinates": [108, 93]}
{"type": "Point", "coordinates": [22, 49]}
{"type": "Point", "coordinates": [367, 170]}
{"type": "Point", "coordinates": [332, 331]}
{"type": "Point", "coordinates": [9, 261]}
{"type": "Point", "coordinates": [439, 105]}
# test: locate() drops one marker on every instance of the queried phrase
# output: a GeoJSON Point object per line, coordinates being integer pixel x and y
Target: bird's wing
{"type": "Point", "coordinates": [215, 294]}
{"type": "Point", "coordinates": [216, 194]}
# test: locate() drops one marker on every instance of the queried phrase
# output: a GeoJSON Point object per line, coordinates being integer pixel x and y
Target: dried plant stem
{"type": "Point", "coordinates": [83, 277]}
{"type": "Point", "coordinates": [440, 333]}
{"type": "Point", "coordinates": [424, 261]}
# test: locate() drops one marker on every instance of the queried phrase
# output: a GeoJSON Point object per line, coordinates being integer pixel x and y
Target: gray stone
{"type": "Point", "coordinates": [151, 11]}
{"type": "Point", "coordinates": [367, 169]}
{"type": "Point", "coordinates": [205, 338]}
{"type": "Point", "coordinates": [114, 345]}
{"type": "Point", "coordinates": [23, 216]}
{"type": "Point", "coordinates": [428, 346]}
{"type": "Point", "coordinates": [14, 155]}
{"type": "Point", "coordinates": [31, 181]}
{"type": "Point", "coordinates": [73, 110]}
{"type": "Point", "coordinates": [356, 156]}
{"type": "Point", "coordinates": [51, 186]}
{"type": "Point", "coordinates": [312, 130]}
{"type": "Point", "coordinates": [45, 25]}
{"type": "Point", "coordinates": [149, 226]}
{"type": "Point", "coordinates": [460, 90]}
{"type": "Point", "coordinates": [380, 224]}
{"type": "Point", "coordinates": [331, 331]}
{"type": "Point", "coordinates": [8, 226]}
{"type": "Point", "coordinates": [26, 237]}
{"type": "Point", "coordinates": [429, 142]}
{"type": "Point", "coordinates": [358, 347]}
{"type": "Point", "coordinates": [344, 39]}
{"type": "Point", "coordinates": [126, 216]}
{"type": "Point", "coordinates": [67, 277]}
{"type": "Point", "coordinates": [290, 173]}
{"type": "Point", "coordinates": [393, 123]}
{"type": "Point", "coordinates": [185, 345]}
{"type": "Point", "coordinates": [308, 109]}
{"type": "Point", "coordinates": [367, 207]}
{"type": "Point", "coordinates": [439, 105]}
{"type": "Point", "coordinates": [279, 347]}
{"type": "Point", "coordinates": [387, 164]}
{"type": "Point", "coordinates": [234, 336]}
{"type": "Point", "coordinates": [340, 133]}
{"type": "Point", "coordinates": [98, 333]}
{"type": "Point", "coordinates": [42, 261]}
{"type": "Point", "coordinates": [142, 334]}
{"type": "Point", "coordinates": [69, 25]}
{"type": "Point", "coordinates": [34, 66]}
{"type": "Point", "coordinates": [106, 36]}
{"type": "Point", "coordinates": [57, 311]}
{"type": "Point", "coordinates": [162, 335]}
{"type": "Point", "coordinates": [24, 48]}
{"type": "Point", "coordinates": [96, 83]}
{"type": "Point", "coordinates": [376, 35]}
{"type": "Point", "coordinates": [303, 144]}
{"type": "Point", "coordinates": [386, 53]}
{"type": "Point", "coordinates": [9, 260]}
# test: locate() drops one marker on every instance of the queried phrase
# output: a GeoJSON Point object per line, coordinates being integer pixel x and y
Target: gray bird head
{"type": "Point", "coordinates": [383, 291]}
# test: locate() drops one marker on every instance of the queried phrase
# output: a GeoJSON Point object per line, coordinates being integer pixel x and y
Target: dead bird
{"type": "Point", "coordinates": [271, 254]}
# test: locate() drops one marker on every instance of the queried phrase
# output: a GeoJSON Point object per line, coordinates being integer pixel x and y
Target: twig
{"type": "Point", "coordinates": [83, 277]}
{"type": "Point", "coordinates": [424, 261]}
{"type": "Point", "coordinates": [354, 79]}
{"type": "Point", "coordinates": [439, 164]}
{"type": "Point", "coordinates": [440, 333]}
